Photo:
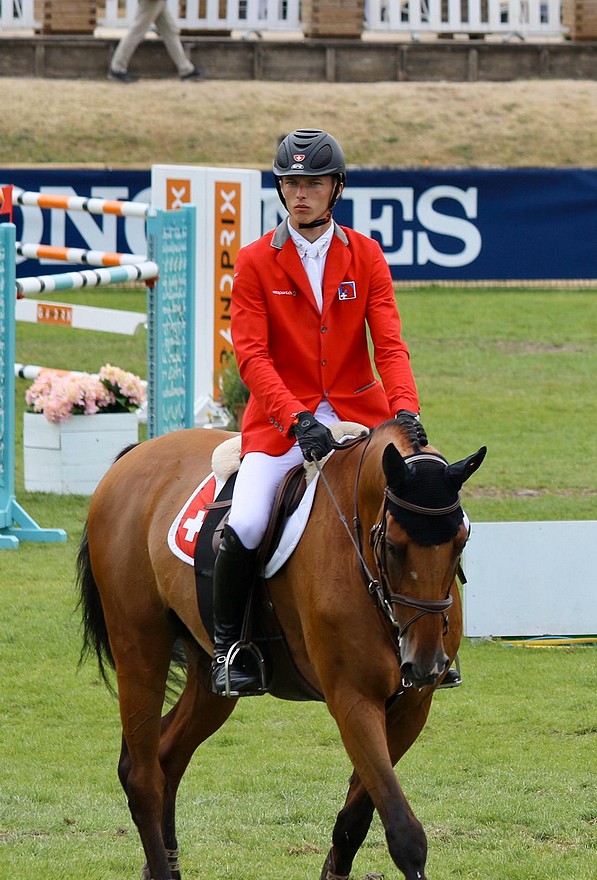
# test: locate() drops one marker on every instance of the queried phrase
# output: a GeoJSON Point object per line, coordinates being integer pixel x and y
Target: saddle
{"type": "Point", "coordinates": [262, 626]}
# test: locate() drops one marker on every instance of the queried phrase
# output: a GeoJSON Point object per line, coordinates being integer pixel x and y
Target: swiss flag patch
{"type": "Point", "coordinates": [183, 533]}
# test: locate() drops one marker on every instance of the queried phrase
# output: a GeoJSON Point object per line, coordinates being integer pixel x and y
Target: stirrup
{"type": "Point", "coordinates": [228, 662]}
{"type": "Point", "coordinates": [454, 679]}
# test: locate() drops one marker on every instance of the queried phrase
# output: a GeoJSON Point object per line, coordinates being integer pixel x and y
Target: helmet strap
{"type": "Point", "coordinates": [323, 222]}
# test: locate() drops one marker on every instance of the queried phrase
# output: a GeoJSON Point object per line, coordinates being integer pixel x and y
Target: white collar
{"type": "Point", "coordinates": [322, 243]}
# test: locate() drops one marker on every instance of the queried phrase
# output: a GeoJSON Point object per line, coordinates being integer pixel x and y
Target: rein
{"type": "Point", "coordinates": [378, 587]}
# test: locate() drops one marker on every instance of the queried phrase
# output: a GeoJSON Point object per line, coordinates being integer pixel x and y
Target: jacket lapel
{"type": "Point", "coordinates": [289, 260]}
{"type": "Point", "coordinates": [336, 266]}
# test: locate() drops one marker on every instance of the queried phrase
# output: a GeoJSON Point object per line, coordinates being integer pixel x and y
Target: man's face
{"type": "Point", "coordinates": [307, 198]}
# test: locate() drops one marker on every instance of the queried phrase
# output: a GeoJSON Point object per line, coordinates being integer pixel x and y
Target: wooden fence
{"type": "Point", "coordinates": [414, 18]}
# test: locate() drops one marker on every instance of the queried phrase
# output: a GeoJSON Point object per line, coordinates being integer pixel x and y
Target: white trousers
{"type": "Point", "coordinates": [152, 12]}
{"type": "Point", "coordinates": [256, 485]}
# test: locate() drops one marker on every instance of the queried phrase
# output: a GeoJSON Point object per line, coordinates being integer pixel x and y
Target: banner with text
{"type": "Point", "coordinates": [432, 224]}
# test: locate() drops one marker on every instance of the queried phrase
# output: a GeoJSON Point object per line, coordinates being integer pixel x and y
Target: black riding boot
{"type": "Point", "coordinates": [234, 573]}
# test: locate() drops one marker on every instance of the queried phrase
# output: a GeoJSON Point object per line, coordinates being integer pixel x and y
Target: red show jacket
{"type": "Point", "coordinates": [292, 357]}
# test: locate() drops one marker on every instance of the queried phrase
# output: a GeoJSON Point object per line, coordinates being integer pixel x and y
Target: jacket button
{"type": "Point", "coordinates": [324, 329]}
{"type": "Point", "coordinates": [323, 362]}
{"type": "Point", "coordinates": [326, 393]}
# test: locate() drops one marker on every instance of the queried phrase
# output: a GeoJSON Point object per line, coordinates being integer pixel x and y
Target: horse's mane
{"type": "Point", "coordinates": [404, 442]}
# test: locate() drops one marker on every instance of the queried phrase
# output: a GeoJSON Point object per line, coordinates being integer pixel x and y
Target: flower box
{"type": "Point", "coordinates": [71, 457]}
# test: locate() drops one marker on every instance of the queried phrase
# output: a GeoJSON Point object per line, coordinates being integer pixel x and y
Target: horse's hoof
{"type": "Point", "coordinates": [145, 875]}
{"type": "Point", "coordinates": [328, 874]}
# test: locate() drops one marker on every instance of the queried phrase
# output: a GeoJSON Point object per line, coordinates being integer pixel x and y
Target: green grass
{"type": "Point", "coordinates": [502, 776]}
{"type": "Point", "coordinates": [514, 371]}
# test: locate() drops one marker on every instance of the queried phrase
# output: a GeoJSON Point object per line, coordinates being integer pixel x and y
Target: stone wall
{"type": "Point", "coordinates": [317, 60]}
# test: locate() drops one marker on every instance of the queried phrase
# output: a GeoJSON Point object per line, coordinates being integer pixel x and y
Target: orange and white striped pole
{"type": "Point", "coordinates": [76, 255]}
{"type": "Point", "coordinates": [81, 203]}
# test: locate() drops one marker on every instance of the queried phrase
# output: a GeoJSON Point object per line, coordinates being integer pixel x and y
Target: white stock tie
{"type": "Point", "coordinates": [313, 268]}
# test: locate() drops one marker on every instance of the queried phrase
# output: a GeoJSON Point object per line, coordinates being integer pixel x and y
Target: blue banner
{"type": "Point", "coordinates": [448, 225]}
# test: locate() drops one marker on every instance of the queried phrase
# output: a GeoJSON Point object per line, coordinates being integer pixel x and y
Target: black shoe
{"type": "Point", "coordinates": [117, 76]}
{"type": "Point", "coordinates": [193, 75]}
{"type": "Point", "coordinates": [452, 679]}
{"type": "Point", "coordinates": [236, 674]}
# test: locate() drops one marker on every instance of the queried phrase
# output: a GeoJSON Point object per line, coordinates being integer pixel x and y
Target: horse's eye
{"type": "Point", "coordinates": [394, 550]}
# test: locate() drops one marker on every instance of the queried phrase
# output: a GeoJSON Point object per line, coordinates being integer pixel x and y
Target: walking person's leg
{"type": "Point", "coordinates": [169, 32]}
{"type": "Point", "coordinates": [144, 18]}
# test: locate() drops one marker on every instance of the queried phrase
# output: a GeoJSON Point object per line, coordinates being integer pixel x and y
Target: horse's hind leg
{"type": "Point", "coordinates": [199, 713]}
{"type": "Point", "coordinates": [350, 830]}
{"type": "Point", "coordinates": [195, 717]}
{"type": "Point", "coordinates": [142, 657]}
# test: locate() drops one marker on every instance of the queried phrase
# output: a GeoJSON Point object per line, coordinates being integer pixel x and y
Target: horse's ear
{"type": "Point", "coordinates": [394, 467]}
{"type": "Point", "coordinates": [460, 471]}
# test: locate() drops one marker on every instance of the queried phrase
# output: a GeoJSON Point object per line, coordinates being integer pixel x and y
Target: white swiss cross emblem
{"type": "Point", "coordinates": [192, 525]}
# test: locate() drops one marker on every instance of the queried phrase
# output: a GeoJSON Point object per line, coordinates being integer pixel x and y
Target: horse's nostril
{"type": "Point", "coordinates": [406, 671]}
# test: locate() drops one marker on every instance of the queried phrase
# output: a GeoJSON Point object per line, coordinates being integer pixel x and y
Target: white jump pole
{"type": "Point", "coordinates": [87, 278]}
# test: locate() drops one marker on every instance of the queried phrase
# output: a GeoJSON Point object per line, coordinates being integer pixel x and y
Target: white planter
{"type": "Point", "coordinates": [70, 458]}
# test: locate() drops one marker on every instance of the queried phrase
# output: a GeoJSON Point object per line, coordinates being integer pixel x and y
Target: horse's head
{"type": "Point", "coordinates": [418, 542]}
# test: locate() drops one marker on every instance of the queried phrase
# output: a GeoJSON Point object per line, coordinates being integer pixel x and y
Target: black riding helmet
{"type": "Point", "coordinates": [313, 153]}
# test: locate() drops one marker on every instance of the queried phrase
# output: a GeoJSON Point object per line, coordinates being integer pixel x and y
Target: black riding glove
{"type": "Point", "coordinates": [412, 425]}
{"type": "Point", "coordinates": [315, 439]}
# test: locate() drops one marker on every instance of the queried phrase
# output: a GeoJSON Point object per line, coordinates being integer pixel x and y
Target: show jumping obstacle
{"type": "Point", "coordinates": [78, 317]}
{"type": "Point", "coordinates": [169, 272]}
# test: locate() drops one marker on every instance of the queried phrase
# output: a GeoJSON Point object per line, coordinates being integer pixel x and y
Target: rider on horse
{"type": "Point", "coordinates": [303, 297]}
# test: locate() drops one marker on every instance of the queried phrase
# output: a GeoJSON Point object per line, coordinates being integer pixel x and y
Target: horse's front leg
{"type": "Point", "coordinates": [362, 725]}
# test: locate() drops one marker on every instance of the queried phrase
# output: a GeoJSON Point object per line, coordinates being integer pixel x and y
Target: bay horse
{"type": "Point", "coordinates": [371, 614]}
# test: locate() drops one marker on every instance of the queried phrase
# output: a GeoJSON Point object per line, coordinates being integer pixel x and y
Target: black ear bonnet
{"type": "Point", "coordinates": [423, 499]}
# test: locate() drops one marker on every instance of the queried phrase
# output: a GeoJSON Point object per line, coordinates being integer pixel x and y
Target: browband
{"type": "Point", "coordinates": [416, 508]}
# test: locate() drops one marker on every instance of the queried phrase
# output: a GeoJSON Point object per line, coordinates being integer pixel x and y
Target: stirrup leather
{"type": "Point", "coordinates": [228, 661]}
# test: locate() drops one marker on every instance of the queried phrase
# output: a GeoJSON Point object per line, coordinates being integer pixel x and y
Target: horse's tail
{"type": "Point", "coordinates": [95, 632]}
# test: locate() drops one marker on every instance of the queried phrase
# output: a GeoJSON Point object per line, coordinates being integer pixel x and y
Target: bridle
{"type": "Point", "coordinates": [377, 540]}
{"type": "Point", "coordinates": [378, 586]}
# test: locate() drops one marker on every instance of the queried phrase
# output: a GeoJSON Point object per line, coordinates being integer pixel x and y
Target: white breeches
{"type": "Point", "coordinates": [257, 482]}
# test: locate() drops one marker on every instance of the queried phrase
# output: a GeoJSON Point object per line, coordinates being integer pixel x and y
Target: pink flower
{"type": "Point", "coordinates": [127, 388]}
{"type": "Point", "coordinates": [59, 396]}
